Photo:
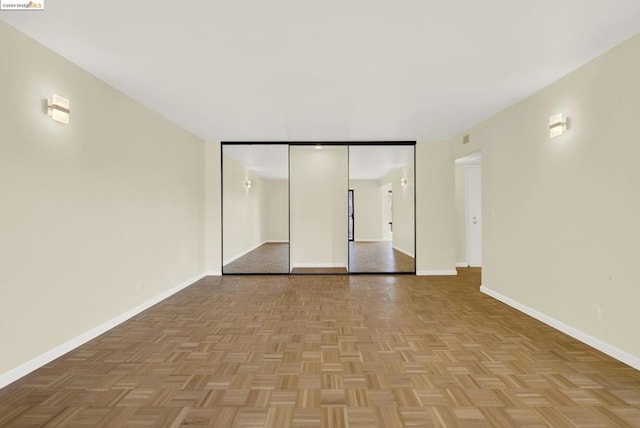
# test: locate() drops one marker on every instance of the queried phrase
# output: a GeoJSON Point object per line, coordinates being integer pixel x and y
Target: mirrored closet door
{"type": "Point", "coordinates": [255, 208]}
{"type": "Point", "coordinates": [381, 214]}
{"type": "Point", "coordinates": [318, 193]}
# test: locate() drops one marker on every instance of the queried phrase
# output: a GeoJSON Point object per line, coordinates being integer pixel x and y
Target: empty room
{"type": "Point", "coordinates": [328, 214]}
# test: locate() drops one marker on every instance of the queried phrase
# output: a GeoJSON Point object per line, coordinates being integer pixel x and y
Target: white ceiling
{"type": "Point", "coordinates": [329, 70]}
{"type": "Point", "coordinates": [365, 162]}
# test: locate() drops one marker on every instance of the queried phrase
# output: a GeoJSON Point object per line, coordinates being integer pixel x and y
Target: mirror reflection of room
{"type": "Point", "coordinates": [255, 208]}
{"type": "Point", "coordinates": [319, 183]}
{"type": "Point", "coordinates": [381, 209]}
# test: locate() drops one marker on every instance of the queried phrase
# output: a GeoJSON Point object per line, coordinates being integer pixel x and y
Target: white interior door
{"type": "Point", "coordinates": [473, 177]}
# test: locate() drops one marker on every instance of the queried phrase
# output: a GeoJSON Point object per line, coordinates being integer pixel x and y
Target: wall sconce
{"type": "Point", "coordinates": [403, 181]}
{"type": "Point", "coordinates": [58, 109]}
{"type": "Point", "coordinates": [247, 184]}
{"type": "Point", "coordinates": [558, 123]}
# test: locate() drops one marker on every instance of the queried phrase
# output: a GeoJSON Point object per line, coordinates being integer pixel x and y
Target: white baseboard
{"type": "Point", "coordinates": [583, 337]}
{"type": "Point", "coordinates": [437, 272]}
{"type": "Point", "coordinates": [369, 240]}
{"type": "Point", "coordinates": [403, 251]}
{"type": "Point", "coordinates": [276, 241]}
{"type": "Point", "coordinates": [213, 273]}
{"type": "Point", "coordinates": [467, 265]}
{"type": "Point", "coordinates": [43, 359]}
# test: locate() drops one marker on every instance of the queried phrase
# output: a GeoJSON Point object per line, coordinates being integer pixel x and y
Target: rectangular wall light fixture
{"type": "Point", "coordinates": [58, 109]}
{"type": "Point", "coordinates": [557, 125]}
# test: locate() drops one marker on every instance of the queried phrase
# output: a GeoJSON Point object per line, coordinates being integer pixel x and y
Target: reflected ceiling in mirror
{"type": "Point", "coordinates": [266, 160]}
{"type": "Point", "coordinates": [374, 162]}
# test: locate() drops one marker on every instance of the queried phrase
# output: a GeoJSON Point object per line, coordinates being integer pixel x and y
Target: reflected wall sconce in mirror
{"type": "Point", "coordinates": [403, 181]}
{"type": "Point", "coordinates": [247, 184]}
{"type": "Point", "coordinates": [58, 109]}
{"type": "Point", "coordinates": [558, 124]}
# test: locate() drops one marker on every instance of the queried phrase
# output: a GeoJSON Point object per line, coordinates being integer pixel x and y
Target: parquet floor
{"type": "Point", "coordinates": [272, 257]}
{"type": "Point", "coordinates": [378, 256]}
{"type": "Point", "coordinates": [329, 351]}
{"type": "Point", "coordinates": [320, 271]}
{"type": "Point", "coordinates": [369, 257]}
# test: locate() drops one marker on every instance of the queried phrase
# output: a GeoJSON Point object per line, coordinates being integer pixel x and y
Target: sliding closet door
{"type": "Point", "coordinates": [381, 179]}
{"type": "Point", "coordinates": [319, 182]}
{"type": "Point", "coordinates": [255, 208]}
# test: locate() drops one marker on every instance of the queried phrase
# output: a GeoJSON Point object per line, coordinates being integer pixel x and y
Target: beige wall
{"type": "Point", "coordinates": [213, 209]}
{"type": "Point", "coordinates": [275, 210]}
{"type": "Point", "coordinates": [242, 210]}
{"type": "Point", "coordinates": [319, 184]}
{"type": "Point", "coordinates": [561, 226]}
{"type": "Point", "coordinates": [435, 209]}
{"type": "Point", "coordinates": [97, 216]}
{"type": "Point", "coordinates": [461, 214]}
{"type": "Point", "coordinates": [367, 210]}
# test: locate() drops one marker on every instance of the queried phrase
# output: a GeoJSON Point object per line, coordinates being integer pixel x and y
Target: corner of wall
{"type": "Point", "coordinates": [213, 209]}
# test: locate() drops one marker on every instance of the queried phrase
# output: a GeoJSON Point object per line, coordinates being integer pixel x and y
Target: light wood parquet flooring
{"type": "Point", "coordinates": [319, 270]}
{"type": "Point", "coordinates": [271, 257]}
{"type": "Point", "coordinates": [329, 351]}
{"type": "Point", "coordinates": [367, 257]}
{"type": "Point", "coordinates": [379, 256]}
